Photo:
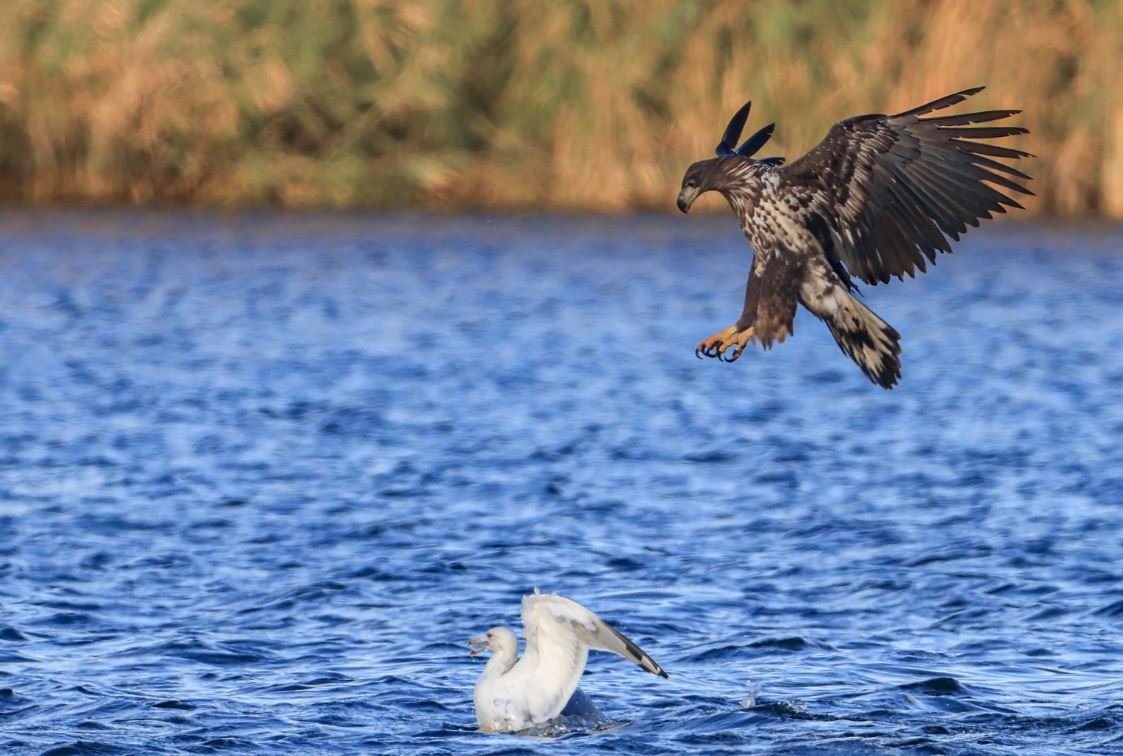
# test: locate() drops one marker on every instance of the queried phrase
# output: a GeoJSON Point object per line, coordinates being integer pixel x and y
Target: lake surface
{"type": "Point", "coordinates": [262, 476]}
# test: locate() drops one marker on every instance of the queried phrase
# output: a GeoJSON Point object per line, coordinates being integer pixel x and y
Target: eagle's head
{"type": "Point", "coordinates": [733, 168]}
{"type": "Point", "coordinates": [720, 174]}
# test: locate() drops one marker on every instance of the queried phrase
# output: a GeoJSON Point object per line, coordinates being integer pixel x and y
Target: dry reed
{"type": "Point", "coordinates": [589, 104]}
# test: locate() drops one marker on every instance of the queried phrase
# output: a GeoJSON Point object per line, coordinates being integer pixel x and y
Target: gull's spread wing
{"type": "Point", "coordinates": [562, 623]}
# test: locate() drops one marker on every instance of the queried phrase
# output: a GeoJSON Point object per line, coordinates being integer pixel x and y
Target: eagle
{"type": "Point", "coordinates": [877, 198]}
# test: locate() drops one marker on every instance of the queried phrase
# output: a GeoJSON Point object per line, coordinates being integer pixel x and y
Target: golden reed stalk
{"type": "Point", "coordinates": [573, 104]}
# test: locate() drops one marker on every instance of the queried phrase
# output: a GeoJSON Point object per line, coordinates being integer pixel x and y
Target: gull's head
{"type": "Point", "coordinates": [498, 640]}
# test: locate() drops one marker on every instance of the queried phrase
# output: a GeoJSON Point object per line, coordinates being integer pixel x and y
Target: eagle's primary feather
{"type": "Point", "coordinates": [877, 198]}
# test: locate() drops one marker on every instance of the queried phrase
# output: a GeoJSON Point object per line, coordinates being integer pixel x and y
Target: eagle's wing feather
{"type": "Point", "coordinates": [898, 185]}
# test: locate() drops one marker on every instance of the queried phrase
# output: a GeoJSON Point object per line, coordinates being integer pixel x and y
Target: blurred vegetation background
{"type": "Point", "coordinates": [570, 104]}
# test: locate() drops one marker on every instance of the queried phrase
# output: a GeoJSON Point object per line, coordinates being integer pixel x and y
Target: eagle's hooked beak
{"type": "Point", "coordinates": [686, 198]}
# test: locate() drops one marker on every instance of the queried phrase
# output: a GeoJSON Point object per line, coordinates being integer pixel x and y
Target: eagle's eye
{"type": "Point", "coordinates": [691, 184]}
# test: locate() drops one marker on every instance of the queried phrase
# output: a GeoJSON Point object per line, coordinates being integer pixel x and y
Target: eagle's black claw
{"type": "Point", "coordinates": [713, 350]}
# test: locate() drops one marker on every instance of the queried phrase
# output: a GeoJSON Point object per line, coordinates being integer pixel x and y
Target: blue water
{"type": "Point", "coordinates": [262, 476]}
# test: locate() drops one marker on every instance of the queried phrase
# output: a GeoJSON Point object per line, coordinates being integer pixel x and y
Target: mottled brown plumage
{"type": "Point", "coordinates": [877, 198]}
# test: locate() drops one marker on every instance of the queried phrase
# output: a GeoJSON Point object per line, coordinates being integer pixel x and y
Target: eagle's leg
{"type": "Point", "coordinates": [737, 335]}
{"type": "Point", "coordinates": [734, 336]}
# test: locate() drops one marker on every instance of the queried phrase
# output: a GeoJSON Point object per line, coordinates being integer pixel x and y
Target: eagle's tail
{"type": "Point", "coordinates": [868, 340]}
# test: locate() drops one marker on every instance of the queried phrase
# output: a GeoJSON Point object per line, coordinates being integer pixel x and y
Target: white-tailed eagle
{"type": "Point", "coordinates": [873, 200]}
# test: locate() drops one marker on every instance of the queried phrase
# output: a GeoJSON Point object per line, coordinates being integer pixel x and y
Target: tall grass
{"type": "Point", "coordinates": [590, 104]}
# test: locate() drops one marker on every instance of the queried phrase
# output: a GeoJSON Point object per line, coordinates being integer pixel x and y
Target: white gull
{"type": "Point", "coordinates": [514, 694]}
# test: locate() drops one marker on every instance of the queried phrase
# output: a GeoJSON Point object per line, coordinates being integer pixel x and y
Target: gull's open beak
{"type": "Point", "coordinates": [481, 642]}
{"type": "Point", "coordinates": [686, 198]}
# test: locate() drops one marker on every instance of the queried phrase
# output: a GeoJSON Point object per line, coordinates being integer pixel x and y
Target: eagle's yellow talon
{"type": "Point", "coordinates": [722, 341]}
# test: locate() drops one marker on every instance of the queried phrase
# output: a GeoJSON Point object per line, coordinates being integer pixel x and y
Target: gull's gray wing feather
{"type": "Point", "coordinates": [561, 621]}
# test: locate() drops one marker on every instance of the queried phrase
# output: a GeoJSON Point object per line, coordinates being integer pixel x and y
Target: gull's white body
{"type": "Point", "coordinates": [512, 693]}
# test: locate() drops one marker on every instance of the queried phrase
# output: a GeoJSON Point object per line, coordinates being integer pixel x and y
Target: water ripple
{"type": "Point", "coordinates": [262, 476]}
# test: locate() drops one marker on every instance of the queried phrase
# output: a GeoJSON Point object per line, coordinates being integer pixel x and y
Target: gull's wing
{"type": "Point", "coordinates": [552, 663]}
{"type": "Point", "coordinates": [895, 185]}
{"type": "Point", "coordinates": [561, 622]}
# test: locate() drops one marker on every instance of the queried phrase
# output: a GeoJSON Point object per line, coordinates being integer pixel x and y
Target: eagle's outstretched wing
{"type": "Point", "coordinates": [895, 185]}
